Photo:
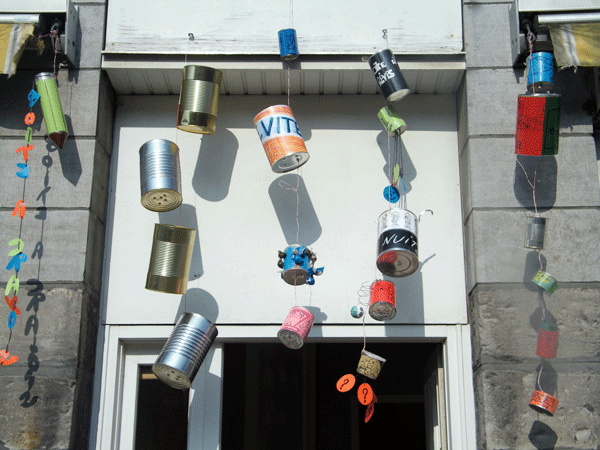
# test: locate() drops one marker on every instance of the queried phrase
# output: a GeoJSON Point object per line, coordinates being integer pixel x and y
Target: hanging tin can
{"type": "Point", "coordinates": [391, 121]}
{"type": "Point", "coordinates": [543, 403]}
{"type": "Point", "coordinates": [281, 138]}
{"type": "Point", "coordinates": [56, 125]}
{"type": "Point", "coordinates": [288, 44]}
{"type": "Point", "coordinates": [538, 123]}
{"type": "Point", "coordinates": [547, 343]}
{"type": "Point", "coordinates": [185, 350]}
{"type": "Point", "coordinates": [199, 99]}
{"type": "Point", "coordinates": [170, 259]}
{"type": "Point", "coordinates": [388, 75]}
{"type": "Point", "coordinates": [545, 281]}
{"type": "Point", "coordinates": [397, 244]}
{"type": "Point", "coordinates": [296, 264]}
{"type": "Point", "coordinates": [382, 304]}
{"type": "Point", "coordinates": [536, 232]}
{"type": "Point", "coordinates": [160, 175]}
{"type": "Point", "coordinates": [295, 328]}
{"type": "Point", "coordinates": [540, 72]}
{"type": "Point", "coordinates": [370, 364]}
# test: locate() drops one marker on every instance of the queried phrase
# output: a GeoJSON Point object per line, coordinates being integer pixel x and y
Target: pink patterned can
{"type": "Point", "coordinates": [295, 328]}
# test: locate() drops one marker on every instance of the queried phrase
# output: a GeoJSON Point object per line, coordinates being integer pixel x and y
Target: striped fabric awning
{"type": "Point", "coordinates": [14, 32]}
{"type": "Point", "coordinates": [576, 44]}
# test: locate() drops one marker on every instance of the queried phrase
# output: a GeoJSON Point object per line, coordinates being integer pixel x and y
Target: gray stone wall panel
{"type": "Point", "coordinates": [90, 35]}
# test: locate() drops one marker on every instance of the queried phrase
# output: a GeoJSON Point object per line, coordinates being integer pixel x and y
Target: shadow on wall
{"type": "Point", "coordinates": [214, 166]}
{"type": "Point", "coordinates": [201, 302]}
{"type": "Point", "coordinates": [70, 162]}
{"type": "Point", "coordinates": [542, 436]}
{"type": "Point", "coordinates": [538, 171]}
{"type": "Point", "coordinates": [283, 196]}
{"type": "Point", "coordinates": [394, 152]}
{"type": "Point", "coordinates": [185, 216]}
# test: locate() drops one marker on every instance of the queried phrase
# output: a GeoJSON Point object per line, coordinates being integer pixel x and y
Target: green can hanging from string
{"type": "Point", "coordinates": [45, 84]}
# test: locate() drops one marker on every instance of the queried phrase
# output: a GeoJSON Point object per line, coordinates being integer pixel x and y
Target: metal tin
{"type": "Point", "coordinates": [536, 232]}
{"type": "Point", "coordinates": [391, 121]}
{"type": "Point", "coordinates": [199, 99]}
{"type": "Point", "coordinates": [185, 350]}
{"type": "Point", "coordinates": [547, 343]}
{"type": "Point", "coordinates": [370, 364]}
{"type": "Point", "coordinates": [170, 259]}
{"type": "Point", "coordinates": [56, 125]}
{"type": "Point", "coordinates": [545, 281]}
{"type": "Point", "coordinates": [382, 304]}
{"type": "Point", "coordinates": [397, 244]}
{"type": "Point", "coordinates": [281, 138]}
{"type": "Point", "coordinates": [540, 72]}
{"type": "Point", "coordinates": [543, 403]}
{"type": "Point", "coordinates": [295, 328]}
{"type": "Point", "coordinates": [538, 123]}
{"type": "Point", "coordinates": [288, 44]}
{"type": "Point", "coordinates": [388, 75]}
{"type": "Point", "coordinates": [160, 175]}
{"type": "Point", "coordinates": [295, 265]}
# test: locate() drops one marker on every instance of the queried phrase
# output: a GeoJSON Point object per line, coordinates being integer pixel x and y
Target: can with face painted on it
{"type": "Point", "coordinates": [281, 138]}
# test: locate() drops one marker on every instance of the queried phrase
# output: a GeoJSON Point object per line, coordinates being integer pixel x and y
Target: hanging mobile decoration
{"type": "Point", "coordinates": [51, 108]}
{"type": "Point", "coordinates": [185, 350]}
{"type": "Point", "coordinates": [160, 175]}
{"type": "Point", "coordinates": [541, 401]}
{"type": "Point", "coordinates": [382, 304]}
{"type": "Point", "coordinates": [288, 44]}
{"type": "Point", "coordinates": [540, 72]}
{"type": "Point", "coordinates": [297, 263]}
{"type": "Point", "coordinates": [199, 99]}
{"type": "Point", "coordinates": [387, 73]}
{"type": "Point", "coordinates": [545, 281]}
{"type": "Point", "coordinates": [536, 232]}
{"type": "Point", "coordinates": [547, 343]}
{"type": "Point", "coordinates": [170, 259]}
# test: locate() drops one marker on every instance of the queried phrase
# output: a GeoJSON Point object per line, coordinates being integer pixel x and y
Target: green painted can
{"type": "Point", "coordinates": [54, 117]}
{"type": "Point", "coordinates": [545, 281]}
{"type": "Point", "coordinates": [391, 121]}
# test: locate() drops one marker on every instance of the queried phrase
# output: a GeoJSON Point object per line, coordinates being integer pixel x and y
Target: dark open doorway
{"type": "Point", "coordinates": [274, 397]}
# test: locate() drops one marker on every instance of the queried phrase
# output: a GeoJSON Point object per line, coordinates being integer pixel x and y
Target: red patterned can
{"type": "Point", "coordinates": [281, 138]}
{"type": "Point", "coordinates": [543, 403]}
{"type": "Point", "coordinates": [295, 328]}
{"type": "Point", "coordinates": [382, 304]}
{"type": "Point", "coordinates": [547, 340]}
{"type": "Point", "coordinates": [538, 123]}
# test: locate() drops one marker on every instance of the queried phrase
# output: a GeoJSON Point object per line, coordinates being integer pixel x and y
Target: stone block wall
{"type": "Point", "coordinates": [505, 308]}
{"type": "Point", "coordinates": [47, 393]}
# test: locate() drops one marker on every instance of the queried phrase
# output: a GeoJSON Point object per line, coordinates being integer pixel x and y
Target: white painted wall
{"type": "Point", "coordinates": [228, 188]}
{"type": "Point", "coordinates": [250, 26]}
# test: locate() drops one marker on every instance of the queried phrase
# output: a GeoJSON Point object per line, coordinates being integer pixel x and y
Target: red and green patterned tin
{"type": "Point", "coordinates": [538, 120]}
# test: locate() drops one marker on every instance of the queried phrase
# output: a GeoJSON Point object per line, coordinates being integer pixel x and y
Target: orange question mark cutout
{"type": "Point", "coordinates": [345, 383]}
{"type": "Point", "coordinates": [365, 393]}
{"type": "Point", "coordinates": [29, 118]}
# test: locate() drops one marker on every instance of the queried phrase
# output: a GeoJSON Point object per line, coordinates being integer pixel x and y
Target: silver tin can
{"type": "Point", "coordinates": [160, 175]}
{"type": "Point", "coordinates": [199, 99]}
{"type": "Point", "coordinates": [536, 232]}
{"type": "Point", "coordinates": [185, 350]}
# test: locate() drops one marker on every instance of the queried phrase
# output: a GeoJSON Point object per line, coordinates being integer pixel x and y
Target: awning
{"type": "Point", "coordinates": [576, 44]}
{"type": "Point", "coordinates": [15, 29]}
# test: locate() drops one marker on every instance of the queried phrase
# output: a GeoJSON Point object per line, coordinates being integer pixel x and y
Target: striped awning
{"type": "Point", "coordinates": [576, 44]}
{"type": "Point", "coordinates": [15, 30]}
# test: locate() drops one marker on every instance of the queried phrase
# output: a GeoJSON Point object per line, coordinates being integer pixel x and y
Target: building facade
{"type": "Point", "coordinates": [461, 354]}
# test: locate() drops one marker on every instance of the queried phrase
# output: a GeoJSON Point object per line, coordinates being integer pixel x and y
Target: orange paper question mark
{"type": "Point", "coordinates": [365, 393]}
{"type": "Point", "coordinates": [345, 383]}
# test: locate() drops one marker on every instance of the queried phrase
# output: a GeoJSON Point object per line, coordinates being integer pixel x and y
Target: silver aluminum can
{"type": "Point", "coordinates": [185, 350]}
{"type": "Point", "coordinates": [160, 175]}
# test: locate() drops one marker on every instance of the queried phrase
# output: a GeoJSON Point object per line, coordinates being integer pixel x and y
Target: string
{"type": "Point", "coordinates": [289, 187]}
{"type": "Point", "coordinates": [291, 16]}
{"type": "Point", "coordinates": [288, 82]}
{"type": "Point", "coordinates": [530, 40]}
{"type": "Point", "coordinates": [390, 176]}
{"type": "Point", "coordinates": [364, 291]}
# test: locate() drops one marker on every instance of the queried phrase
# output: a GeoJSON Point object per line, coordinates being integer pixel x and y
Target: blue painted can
{"type": "Point", "coordinates": [540, 72]}
{"type": "Point", "coordinates": [288, 44]}
{"type": "Point", "coordinates": [295, 265]}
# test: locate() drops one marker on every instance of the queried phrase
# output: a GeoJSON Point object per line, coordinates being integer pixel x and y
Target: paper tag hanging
{"type": "Point", "coordinates": [345, 383]}
{"type": "Point", "coordinates": [365, 393]}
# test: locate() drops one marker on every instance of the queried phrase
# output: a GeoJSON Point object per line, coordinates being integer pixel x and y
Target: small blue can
{"type": "Point", "coordinates": [295, 265]}
{"type": "Point", "coordinates": [540, 72]}
{"type": "Point", "coordinates": [288, 44]}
